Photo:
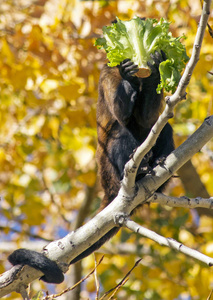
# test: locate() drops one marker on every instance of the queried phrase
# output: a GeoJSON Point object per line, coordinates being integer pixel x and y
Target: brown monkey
{"type": "Point", "coordinates": [127, 108]}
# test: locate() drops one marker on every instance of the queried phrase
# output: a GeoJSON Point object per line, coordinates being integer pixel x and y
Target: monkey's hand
{"type": "Point", "coordinates": [127, 69]}
{"type": "Point", "coordinates": [157, 57]}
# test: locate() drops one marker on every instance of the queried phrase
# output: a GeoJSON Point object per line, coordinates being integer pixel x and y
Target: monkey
{"type": "Point", "coordinates": [127, 108]}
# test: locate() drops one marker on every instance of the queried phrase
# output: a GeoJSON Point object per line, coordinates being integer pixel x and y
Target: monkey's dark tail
{"type": "Point", "coordinates": [97, 245]}
{"type": "Point", "coordinates": [52, 273]}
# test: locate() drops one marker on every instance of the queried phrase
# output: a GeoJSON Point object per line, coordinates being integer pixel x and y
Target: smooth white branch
{"type": "Point", "coordinates": [67, 248]}
{"type": "Point", "coordinates": [131, 167]}
{"type": "Point", "coordinates": [149, 184]}
{"type": "Point", "coordinates": [181, 201]}
{"type": "Point", "coordinates": [168, 242]}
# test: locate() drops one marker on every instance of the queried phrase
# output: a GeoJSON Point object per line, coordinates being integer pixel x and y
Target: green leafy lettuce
{"type": "Point", "coordinates": [137, 39]}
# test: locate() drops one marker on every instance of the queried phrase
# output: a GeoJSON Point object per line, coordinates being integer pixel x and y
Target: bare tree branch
{"type": "Point", "coordinates": [49, 297]}
{"type": "Point", "coordinates": [130, 195]}
{"type": "Point", "coordinates": [182, 201]}
{"type": "Point", "coordinates": [131, 167]}
{"type": "Point", "coordinates": [171, 243]}
{"type": "Point", "coordinates": [174, 161]}
{"type": "Point", "coordinates": [76, 272]}
{"type": "Point", "coordinates": [121, 283]}
{"type": "Point", "coordinates": [193, 185]}
{"type": "Point", "coordinates": [65, 249]}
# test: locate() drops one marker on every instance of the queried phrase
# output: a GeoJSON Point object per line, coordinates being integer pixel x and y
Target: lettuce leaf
{"type": "Point", "coordinates": [137, 39]}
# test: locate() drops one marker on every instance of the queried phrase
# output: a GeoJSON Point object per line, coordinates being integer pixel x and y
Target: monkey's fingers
{"type": "Point", "coordinates": [127, 68]}
{"type": "Point", "coordinates": [126, 61]}
{"type": "Point", "coordinates": [163, 55]}
{"type": "Point", "coordinates": [157, 58]}
{"type": "Point", "coordinates": [130, 73]}
{"type": "Point", "coordinates": [154, 67]}
{"type": "Point", "coordinates": [128, 64]}
{"type": "Point", "coordinates": [130, 68]}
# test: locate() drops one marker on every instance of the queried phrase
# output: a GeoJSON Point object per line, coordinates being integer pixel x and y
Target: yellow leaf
{"type": "Point", "coordinates": [186, 237]}
{"type": "Point", "coordinates": [48, 85]}
{"type": "Point", "coordinates": [88, 178]}
{"type": "Point", "coordinates": [2, 155]}
{"type": "Point", "coordinates": [72, 90]}
{"type": "Point", "coordinates": [54, 126]}
{"type": "Point", "coordinates": [173, 267]}
{"type": "Point", "coordinates": [84, 156]}
{"type": "Point", "coordinates": [6, 52]}
{"type": "Point", "coordinates": [34, 125]}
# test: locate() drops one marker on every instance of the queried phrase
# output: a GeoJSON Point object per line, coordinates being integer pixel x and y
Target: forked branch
{"type": "Point", "coordinates": [132, 166]}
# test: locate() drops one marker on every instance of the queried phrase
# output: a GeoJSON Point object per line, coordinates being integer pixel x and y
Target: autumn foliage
{"type": "Point", "coordinates": [49, 87]}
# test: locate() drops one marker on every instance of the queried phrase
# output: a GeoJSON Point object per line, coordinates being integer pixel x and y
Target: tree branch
{"type": "Point", "coordinates": [130, 195]}
{"type": "Point", "coordinates": [67, 248]}
{"type": "Point", "coordinates": [182, 201]}
{"type": "Point", "coordinates": [193, 185]}
{"type": "Point", "coordinates": [132, 166]}
{"type": "Point", "coordinates": [171, 243]}
{"type": "Point", "coordinates": [174, 161]}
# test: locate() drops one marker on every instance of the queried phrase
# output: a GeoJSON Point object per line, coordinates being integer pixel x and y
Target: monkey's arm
{"type": "Point", "coordinates": [148, 108]}
{"type": "Point", "coordinates": [119, 89]}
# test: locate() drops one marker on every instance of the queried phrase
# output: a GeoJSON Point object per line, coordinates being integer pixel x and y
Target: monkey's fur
{"type": "Point", "coordinates": [127, 108]}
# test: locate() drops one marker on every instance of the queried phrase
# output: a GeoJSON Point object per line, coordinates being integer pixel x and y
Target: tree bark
{"type": "Point", "coordinates": [194, 186]}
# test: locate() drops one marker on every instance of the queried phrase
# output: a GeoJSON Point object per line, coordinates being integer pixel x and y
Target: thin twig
{"type": "Point", "coordinates": [75, 285]}
{"type": "Point", "coordinates": [118, 287]}
{"type": "Point", "coordinates": [24, 293]}
{"type": "Point", "coordinates": [96, 280]}
{"type": "Point", "coordinates": [210, 295]}
{"type": "Point", "coordinates": [121, 283]}
{"type": "Point", "coordinates": [104, 220]}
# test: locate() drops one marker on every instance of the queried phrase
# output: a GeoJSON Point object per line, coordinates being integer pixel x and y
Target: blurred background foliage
{"type": "Point", "coordinates": [48, 175]}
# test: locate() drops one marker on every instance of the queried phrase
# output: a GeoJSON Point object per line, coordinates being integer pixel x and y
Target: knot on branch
{"type": "Point", "coordinates": [22, 289]}
{"type": "Point", "coordinates": [168, 100]}
{"type": "Point", "coordinates": [120, 219]}
{"type": "Point", "coordinates": [184, 96]}
{"type": "Point", "coordinates": [170, 115]}
{"type": "Point", "coordinates": [155, 196]}
{"type": "Point", "coordinates": [209, 120]}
